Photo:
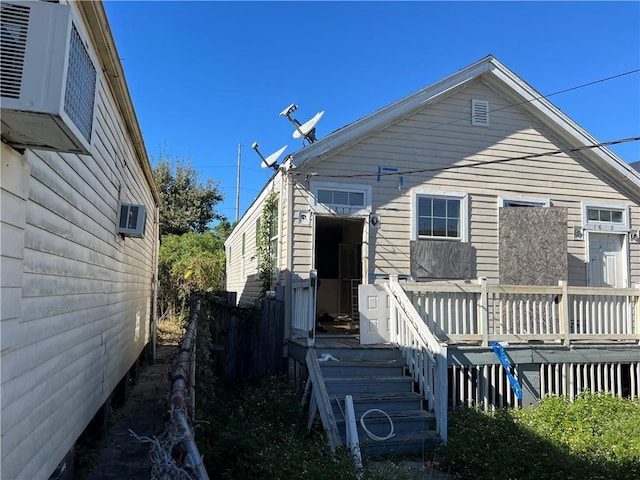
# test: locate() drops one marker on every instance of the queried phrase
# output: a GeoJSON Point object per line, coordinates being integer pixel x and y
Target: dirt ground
{"type": "Point", "coordinates": [145, 413]}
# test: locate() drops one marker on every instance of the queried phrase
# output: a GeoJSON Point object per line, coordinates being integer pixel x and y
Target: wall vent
{"type": "Point", "coordinates": [480, 113]}
{"type": "Point", "coordinates": [132, 220]}
{"type": "Point", "coordinates": [48, 78]}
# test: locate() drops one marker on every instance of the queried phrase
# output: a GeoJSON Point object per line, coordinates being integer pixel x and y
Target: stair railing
{"type": "Point", "coordinates": [424, 355]}
{"type": "Point", "coordinates": [321, 402]}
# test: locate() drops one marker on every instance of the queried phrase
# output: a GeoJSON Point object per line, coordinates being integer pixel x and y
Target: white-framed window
{"type": "Point", "coordinates": [439, 215]}
{"type": "Point", "coordinates": [340, 198]}
{"type": "Point", "coordinates": [273, 243]}
{"type": "Point", "coordinates": [512, 201]}
{"type": "Point", "coordinates": [605, 217]}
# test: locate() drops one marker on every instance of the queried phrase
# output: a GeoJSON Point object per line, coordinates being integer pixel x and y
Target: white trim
{"type": "Point", "coordinates": [464, 212]}
{"type": "Point", "coordinates": [531, 201]}
{"type": "Point", "coordinates": [625, 255]}
{"type": "Point", "coordinates": [345, 211]}
{"type": "Point", "coordinates": [606, 227]}
{"type": "Point", "coordinates": [479, 113]}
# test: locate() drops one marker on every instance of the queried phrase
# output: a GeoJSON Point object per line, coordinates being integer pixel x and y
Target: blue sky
{"type": "Point", "coordinates": [207, 76]}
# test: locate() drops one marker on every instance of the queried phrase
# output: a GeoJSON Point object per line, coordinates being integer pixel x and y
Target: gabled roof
{"type": "Point", "coordinates": [503, 80]}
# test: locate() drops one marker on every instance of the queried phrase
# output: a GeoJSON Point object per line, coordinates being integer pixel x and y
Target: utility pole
{"type": "Point", "coordinates": [238, 183]}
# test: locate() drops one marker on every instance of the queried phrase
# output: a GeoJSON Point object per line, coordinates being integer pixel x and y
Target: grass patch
{"type": "Point", "coordinates": [595, 437]}
{"type": "Point", "coordinates": [260, 434]}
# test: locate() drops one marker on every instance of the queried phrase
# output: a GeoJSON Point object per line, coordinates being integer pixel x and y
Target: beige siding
{"type": "Point", "coordinates": [433, 144]}
{"type": "Point", "coordinates": [76, 297]}
{"type": "Point", "coordinates": [245, 283]}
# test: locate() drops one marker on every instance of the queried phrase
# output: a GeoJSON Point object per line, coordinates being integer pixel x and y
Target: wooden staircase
{"type": "Point", "coordinates": [376, 380]}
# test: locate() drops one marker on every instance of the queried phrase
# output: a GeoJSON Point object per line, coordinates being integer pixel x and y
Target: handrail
{"type": "Point", "coordinates": [425, 355]}
{"type": "Point", "coordinates": [322, 401]}
{"type": "Point", "coordinates": [351, 430]}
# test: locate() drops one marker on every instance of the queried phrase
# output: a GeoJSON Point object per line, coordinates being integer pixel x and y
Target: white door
{"type": "Point", "coordinates": [606, 260]}
{"type": "Point", "coordinates": [374, 314]}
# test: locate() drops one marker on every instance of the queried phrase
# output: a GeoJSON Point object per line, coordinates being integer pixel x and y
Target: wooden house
{"type": "Point", "coordinates": [79, 231]}
{"type": "Point", "coordinates": [468, 213]}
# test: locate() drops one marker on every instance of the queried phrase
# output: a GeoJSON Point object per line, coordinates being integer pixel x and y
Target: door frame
{"type": "Point", "coordinates": [624, 253]}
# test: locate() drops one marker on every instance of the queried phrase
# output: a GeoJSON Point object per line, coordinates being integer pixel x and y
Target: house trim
{"type": "Point", "coordinates": [464, 212]}
{"type": "Point", "coordinates": [532, 201]}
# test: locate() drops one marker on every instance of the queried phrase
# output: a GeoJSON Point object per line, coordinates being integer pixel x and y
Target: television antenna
{"type": "Point", "coordinates": [270, 161]}
{"type": "Point", "coordinates": [306, 130]}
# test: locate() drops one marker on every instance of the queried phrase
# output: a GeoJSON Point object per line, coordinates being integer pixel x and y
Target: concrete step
{"type": "Point", "coordinates": [369, 384]}
{"type": "Point", "coordinates": [362, 368]}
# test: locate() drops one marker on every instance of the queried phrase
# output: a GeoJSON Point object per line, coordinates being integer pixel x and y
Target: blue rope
{"type": "Point", "coordinates": [502, 356]}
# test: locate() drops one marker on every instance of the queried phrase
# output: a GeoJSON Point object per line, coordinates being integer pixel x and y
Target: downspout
{"type": "Point", "coordinates": [156, 252]}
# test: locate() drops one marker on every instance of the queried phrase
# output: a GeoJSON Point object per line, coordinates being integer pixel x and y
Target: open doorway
{"type": "Point", "coordinates": [338, 261]}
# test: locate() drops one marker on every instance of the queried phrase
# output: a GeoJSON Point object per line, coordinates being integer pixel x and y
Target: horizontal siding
{"type": "Point", "coordinates": [84, 293]}
{"type": "Point", "coordinates": [436, 148]}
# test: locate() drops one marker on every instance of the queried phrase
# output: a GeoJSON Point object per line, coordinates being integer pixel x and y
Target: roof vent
{"type": "Point", "coordinates": [48, 78]}
{"type": "Point", "coordinates": [480, 113]}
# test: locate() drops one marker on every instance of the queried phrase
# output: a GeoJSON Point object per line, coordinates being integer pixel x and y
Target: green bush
{"type": "Point", "coordinates": [595, 437]}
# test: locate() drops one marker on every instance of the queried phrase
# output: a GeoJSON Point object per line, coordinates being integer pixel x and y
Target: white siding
{"type": "Point", "coordinates": [76, 297]}
{"type": "Point", "coordinates": [429, 143]}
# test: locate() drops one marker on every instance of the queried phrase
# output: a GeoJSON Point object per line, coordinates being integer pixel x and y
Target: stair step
{"type": "Point", "coordinates": [370, 384]}
{"type": "Point", "coordinates": [362, 368]}
{"type": "Point", "coordinates": [411, 422]}
{"type": "Point", "coordinates": [389, 402]}
{"type": "Point", "coordinates": [347, 354]}
{"type": "Point", "coordinates": [401, 444]}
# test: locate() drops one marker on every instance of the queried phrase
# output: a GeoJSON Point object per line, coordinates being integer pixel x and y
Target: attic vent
{"type": "Point", "coordinates": [480, 113]}
{"type": "Point", "coordinates": [132, 220]}
{"type": "Point", "coordinates": [13, 42]}
{"type": "Point", "coordinates": [81, 86]}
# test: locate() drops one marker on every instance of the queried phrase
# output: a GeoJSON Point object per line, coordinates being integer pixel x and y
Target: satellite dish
{"type": "Point", "coordinates": [270, 161]}
{"type": "Point", "coordinates": [305, 130]}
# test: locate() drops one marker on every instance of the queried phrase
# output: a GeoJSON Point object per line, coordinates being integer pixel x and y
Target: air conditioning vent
{"type": "Point", "coordinates": [132, 220]}
{"type": "Point", "coordinates": [480, 113]}
{"type": "Point", "coordinates": [13, 44]}
{"type": "Point", "coordinates": [49, 78]}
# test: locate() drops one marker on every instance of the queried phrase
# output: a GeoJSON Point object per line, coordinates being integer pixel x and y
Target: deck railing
{"type": "Point", "coordinates": [425, 356]}
{"type": "Point", "coordinates": [303, 315]}
{"type": "Point", "coordinates": [481, 313]}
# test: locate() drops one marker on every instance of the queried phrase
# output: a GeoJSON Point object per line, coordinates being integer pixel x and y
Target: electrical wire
{"type": "Point", "coordinates": [480, 163]}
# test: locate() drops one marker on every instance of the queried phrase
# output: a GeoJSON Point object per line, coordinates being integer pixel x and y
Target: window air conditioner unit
{"type": "Point", "coordinates": [48, 78]}
{"type": "Point", "coordinates": [132, 220]}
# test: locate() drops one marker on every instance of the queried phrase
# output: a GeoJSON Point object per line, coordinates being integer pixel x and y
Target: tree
{"type": "Point", "coordinates": [187, 204]}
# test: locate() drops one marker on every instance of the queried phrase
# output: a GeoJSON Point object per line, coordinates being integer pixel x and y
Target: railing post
{"type": "Point", "coordinates": [311, 313]}
{"type": "Point", "coordinates": [393, 314]}
{"type": "Point", "coordinates": [483, 311]}
{"type": "Point", "coordinates": [565, 328]}
{"type": "Point", "coordinates": [634, 326]}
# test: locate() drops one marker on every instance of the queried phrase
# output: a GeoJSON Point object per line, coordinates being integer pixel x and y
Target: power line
{"type": "Point", "coordinates": [483, 163]}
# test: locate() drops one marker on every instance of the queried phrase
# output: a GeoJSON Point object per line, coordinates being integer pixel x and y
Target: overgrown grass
{"type": "Point", "coordinates": [595, 437]}
{"type": "Point", "coordinates": [260, 434]}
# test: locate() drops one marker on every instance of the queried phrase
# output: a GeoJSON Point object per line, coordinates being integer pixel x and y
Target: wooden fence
{"type": "Point", "coordinates": [247, 342]}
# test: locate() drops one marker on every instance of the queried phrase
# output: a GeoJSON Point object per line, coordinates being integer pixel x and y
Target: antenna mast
{"type": "Point", "coordinates": [238, 183]}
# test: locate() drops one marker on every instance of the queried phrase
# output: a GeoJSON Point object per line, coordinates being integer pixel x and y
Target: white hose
{"type": "Point", "coordinates": [371, 435]}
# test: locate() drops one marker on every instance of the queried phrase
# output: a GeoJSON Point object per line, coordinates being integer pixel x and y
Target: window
{"type": "Point", "coordinates": [340, 198]}
{"type": "Point", "coordinates": [523, 202]}
{"type": "Point", "coordinates": [606, 218]}
{"type": "Point", "coordinates": [439, 215]}
{"type": "Point", "coordinates": [273, 241]}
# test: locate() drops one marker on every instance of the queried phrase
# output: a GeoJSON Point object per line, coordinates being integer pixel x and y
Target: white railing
{"type": "Point", "coordinates": [481, 313]}
{"type": "Point", "coordinates": [303, 314]}
{"type": "Point", "coordinates": [425, 356]}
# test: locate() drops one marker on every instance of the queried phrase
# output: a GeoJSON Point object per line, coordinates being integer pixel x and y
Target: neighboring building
{"type": "Point", "coordinates": [420, 189]}
{"type": "Point", "coordinates": [79, 230]}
